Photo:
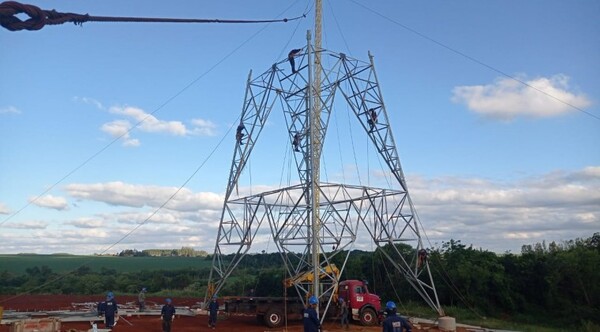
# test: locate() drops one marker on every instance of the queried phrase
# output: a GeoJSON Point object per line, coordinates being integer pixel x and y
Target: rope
{"type": "Point", "coordinates": [337, 132]}
{"type": "Point", "coordinates": [285, 48]}
{"type": "Point", "coordinates": [446, 277]}
{"type": "Point", "coordinates": [337, 24]}
{"type": "Point", "coordinates": [93, 156]}
{"type": "Point", "coordinates": [134, 229]}
{"type": "Point", "coordinates": [39, 18]}
{"type": "Point", "coordinates": [122, 238]}
{"type": "Point", "coordinates": [388, 274]}
{"type": "Point", "coordinates": [352, 141]}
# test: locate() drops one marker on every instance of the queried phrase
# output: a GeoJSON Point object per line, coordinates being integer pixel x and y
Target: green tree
{"type": "Point", "coordinates": [478, 277]}
{"type": "Point", "coordinates": [270, 283]}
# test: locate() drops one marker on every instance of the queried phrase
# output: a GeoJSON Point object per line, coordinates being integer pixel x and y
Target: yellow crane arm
{"type": "Point", "coordinates": [308, 276]}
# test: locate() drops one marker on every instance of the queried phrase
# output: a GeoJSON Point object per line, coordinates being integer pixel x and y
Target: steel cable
{"type": "Point", "coordinates": [40, 18]}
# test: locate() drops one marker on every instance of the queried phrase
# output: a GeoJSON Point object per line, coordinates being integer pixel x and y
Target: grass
{"type": "Point", "coordinates": [523, 322]}
{"type": "Point", "coordinates": [60, 263]}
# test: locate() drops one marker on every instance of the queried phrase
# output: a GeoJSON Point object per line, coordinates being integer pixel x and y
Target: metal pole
{"type": "Point", "coordinates": [316, 146]}
{"type": "Point", "coordinates": [313, 220]}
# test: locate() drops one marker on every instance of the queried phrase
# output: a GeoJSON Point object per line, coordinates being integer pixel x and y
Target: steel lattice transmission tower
{"type": "Point", "coordinates": [313, 222]}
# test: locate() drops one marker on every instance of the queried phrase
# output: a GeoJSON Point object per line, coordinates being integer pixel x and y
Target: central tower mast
{"type": "Point", "coordinates": [315, 142]}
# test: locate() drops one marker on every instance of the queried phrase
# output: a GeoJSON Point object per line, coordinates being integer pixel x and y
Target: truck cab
{"type": "Point", "coordinates": [362, 305]}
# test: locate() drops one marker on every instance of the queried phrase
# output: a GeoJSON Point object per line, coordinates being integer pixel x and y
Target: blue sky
{"type": "Point", "coordinates": [488, 160]}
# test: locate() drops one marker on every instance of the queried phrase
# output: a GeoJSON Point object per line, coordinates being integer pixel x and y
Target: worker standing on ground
{"type": "Point", "coordinates": [109, 310]}
{"type": "Point", "coordinates": [309, 316]}
{"type": "Point", "coordinates": [393, 322]}
{"type": "Point", "coordinates": [213, 307]}
{"type": "Point", "coordinates": [167, 315]}
{"type": "Point", "coordinates": [344, 313]}
{"type": "Point", "coordinates": [142, 299]}
{"type": "Point", "coordinates": [293, 53]}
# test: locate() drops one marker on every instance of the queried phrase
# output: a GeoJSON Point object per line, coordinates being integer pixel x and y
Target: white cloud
{"type": "Point", "coordinates": [123, 194]}
{"type": "Point", "coordinates": [506, 98]}
{"type": "Point", "coordinates": [489, 214]}
{"type": "Point", "coordinates": [137, 118]}
{"type": "Point", "coordinates": [87, 223]}
{"type": "Point", "coordinates": [103, 233]}
{"type": "Point", "coordinates": [203, 127]}
{"type": "Point", "coordinates": [28, 225]}
{"type": "Point", "coordinates": [121, 129]}
{"type": "Point", "coordinates": [148, 122]}
{"type": "Point", "coordinates": [90, 101]}
{"type": "Point", "coordinates": [117, 128]}
{"type": "Point", "coordinates": [498, 216]}
{"type": "Point", "coordinates": [4, 209]}
{"type": "Point", "coordinates": [493, 215]}
{"type": "Point", "coordinates": [131, 142]}
{"type": "Point", "coordinates": [51, 202]}
{"type": "Point", "coordinates": [10, 109]}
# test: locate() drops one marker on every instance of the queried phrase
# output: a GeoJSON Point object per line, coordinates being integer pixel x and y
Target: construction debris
{"type": "Point", "coordinates": [81, 312]}
{"type": "Point", "coordinates": [36, 325]}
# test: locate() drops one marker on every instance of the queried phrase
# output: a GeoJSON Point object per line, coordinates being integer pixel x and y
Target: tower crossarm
{"type": "Point", "coordinates": [364, 97]}
{"type": "Point", "coordinates": [255, 111]}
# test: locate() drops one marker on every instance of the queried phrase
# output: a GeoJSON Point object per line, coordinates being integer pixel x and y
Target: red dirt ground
{"type": "Point", "coordinates": [153, 323]}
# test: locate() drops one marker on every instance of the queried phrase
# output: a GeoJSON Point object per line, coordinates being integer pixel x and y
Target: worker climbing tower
{"type": "Point", "coordinates": [312, 222]}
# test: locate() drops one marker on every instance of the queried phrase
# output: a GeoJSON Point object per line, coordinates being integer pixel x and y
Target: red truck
{"type": "Point", "coordinates": [362, 305]}
{"type": "Point", "coordinates": [272, 311]}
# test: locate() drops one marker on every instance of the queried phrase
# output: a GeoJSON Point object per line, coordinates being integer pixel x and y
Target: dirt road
{"type": "Point", "coordinates": [135, 323]}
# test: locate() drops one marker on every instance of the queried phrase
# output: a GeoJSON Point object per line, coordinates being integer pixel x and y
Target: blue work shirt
{"type": "Point", "coordinates": [108, 308]}
{"type": "Point", "coordinates": [213, 306]}
{"type": "Point", "coordinates": [310, 320]}
{"type": "Point", "coordinates": [167, 312]}
{"type": "Point", "coordinates": [394, 323]}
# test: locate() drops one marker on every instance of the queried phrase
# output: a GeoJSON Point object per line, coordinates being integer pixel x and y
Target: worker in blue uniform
{"type": "Point", "coordinates": [213, 307]}
{"type": "Point", "coordinates": [393, 322]}
{"type": "Point", "coordinates": [309, 316]}
{"type": "Point", "coordinates": [167, 314]}
{"type": "Point", "coordinates": [109, 310]}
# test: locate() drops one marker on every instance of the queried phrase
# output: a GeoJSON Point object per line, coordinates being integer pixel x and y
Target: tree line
{"type": "Point", "coordinates": [183, 252]}
{"type": "Point", "coordinates": [560, 280]}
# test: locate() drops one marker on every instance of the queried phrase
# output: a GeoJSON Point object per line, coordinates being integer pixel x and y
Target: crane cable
{"type": "Point", "coordinates": [39, 18]}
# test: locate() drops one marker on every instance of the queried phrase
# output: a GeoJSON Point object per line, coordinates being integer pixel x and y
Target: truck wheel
{"type": "Point", "coordinates": [368, 317]}
{"type": "Point", "coordinates": [273, 318]}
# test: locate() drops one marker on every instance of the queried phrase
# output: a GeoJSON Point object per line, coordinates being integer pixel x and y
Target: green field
{"type": "Point", "coordinates": [59, 263]}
